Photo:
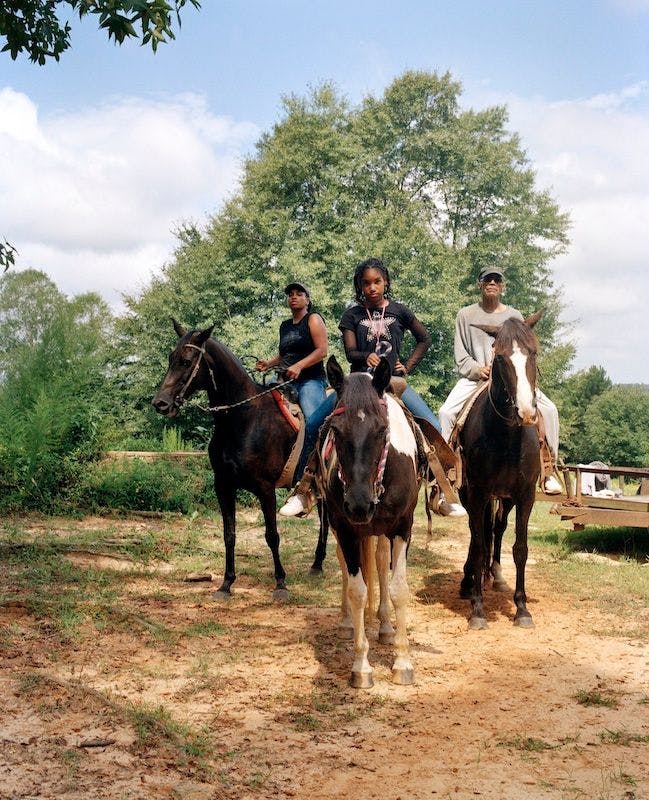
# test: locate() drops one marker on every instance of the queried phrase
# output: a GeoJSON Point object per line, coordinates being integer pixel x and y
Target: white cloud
{"type": "Point", "coordinates": [92, 197]}
{"type": "Point", "coordinates": [593, 156]}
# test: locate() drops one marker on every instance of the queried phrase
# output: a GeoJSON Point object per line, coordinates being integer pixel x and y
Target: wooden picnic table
{"type": "Point", "coordinates": [581, 510]}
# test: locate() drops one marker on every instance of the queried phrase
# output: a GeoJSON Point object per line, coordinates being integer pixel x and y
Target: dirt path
{"type": "Point", "coordinates": [493, 713]}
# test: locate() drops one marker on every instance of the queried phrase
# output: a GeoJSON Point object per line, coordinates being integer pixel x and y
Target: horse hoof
{"type": "Point", "coordinates": [345, 633]}
{"type": "Point", "coordinates": [500, 586]}
{"type": "Point", "coordinates": [315, 572]}
{"type": "Point", "coordinates": [361, 680]}
{"type": "Point", "coordinates": [386, 637]}
{"type": "Point", "coordinates": [477, 624]}
{"type": "Point", "coordinates": [524, 621]}
{"type": "Point", "coordinates": [403, 677]}
{"type": "Point", "coordinates": [222, 596]}
{"type": "Point", "coordinates": [280, 595]}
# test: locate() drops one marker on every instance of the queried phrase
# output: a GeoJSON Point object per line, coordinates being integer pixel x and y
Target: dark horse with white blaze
{"type": "Point", "coordinates": [251, 441]}
{"type": "Point", "coordinates": [370, 482]}
{"type": "Point", "coordinates": [500, 450]}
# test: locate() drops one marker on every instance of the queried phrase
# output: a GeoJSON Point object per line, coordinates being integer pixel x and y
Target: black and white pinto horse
{"type": "Point", "coordinates": [251, 441]}
{"type": "Point", "coordinates": [500, 450]}
{"type": "Point", "coordinates": [370, 483]}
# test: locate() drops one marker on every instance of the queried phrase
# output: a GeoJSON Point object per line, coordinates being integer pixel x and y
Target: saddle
{"type": "Point", "coordinates": [292, 413]}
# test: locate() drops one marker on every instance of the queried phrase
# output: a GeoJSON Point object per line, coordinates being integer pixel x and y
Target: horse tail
{"type": "Point", "coordinates": [493, 509]}
{"type": "Point", "coordinates": [368, 546]}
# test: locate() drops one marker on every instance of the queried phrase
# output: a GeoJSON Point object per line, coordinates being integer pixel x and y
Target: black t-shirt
{"type": "Point", "coordinates": [387, 324]}
{"type": "Point", "coordinates": [295, 343]}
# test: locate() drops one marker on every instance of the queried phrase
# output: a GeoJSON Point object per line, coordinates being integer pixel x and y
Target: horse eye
{"type": "Point", "coordinates": [185, 362]}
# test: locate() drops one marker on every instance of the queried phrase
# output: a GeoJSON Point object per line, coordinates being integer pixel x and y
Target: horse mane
{"type": "Point", "coordinates": [360, 395]}
{"type": "Point", "coordinates": [515, 330]}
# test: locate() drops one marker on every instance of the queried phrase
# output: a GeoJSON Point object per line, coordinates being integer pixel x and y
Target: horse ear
{"type": "Point", "coordinates": [203, 336]}
{"type": "Point", "coordinates": [335, 375]}
{"type": "Point", "coordinates": [178, 327]}
{"type": "Point", "coordinates": [492, 330]}
{"type": "Point", "coordinates": [382, 375]}
{"type": "Point", "coordinates": [536, 316]}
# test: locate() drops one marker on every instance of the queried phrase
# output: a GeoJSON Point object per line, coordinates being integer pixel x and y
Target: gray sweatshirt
{"type": "Point", "coordinates": [473, 347]}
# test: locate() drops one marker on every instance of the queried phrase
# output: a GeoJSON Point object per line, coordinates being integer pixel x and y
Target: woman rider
{"type": "Point", "coordinates": [371, 327]}
{"type": "Point", "coordinates": [302, 349]}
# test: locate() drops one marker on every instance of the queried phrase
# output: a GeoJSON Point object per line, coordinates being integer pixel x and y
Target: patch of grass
{"type": "Point", "coordinates": [155, 725]}
{"type": "Point", "coordinates": [302, 722]}
{"type": "Point", "coordinates": [206, 628]}
{"type": "Point", "coordinates": [622, 737]}
{"type": "Point", "coordinates": [594, 697]}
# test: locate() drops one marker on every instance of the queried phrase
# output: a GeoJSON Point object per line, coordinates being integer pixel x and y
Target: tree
{"type": "Point", "coordinates": [575, 396]}
{"type": "Point", "coordinates": [616, 428]}
{"type": "Point", "coordinates": [36, 27]}
{"type": "Point", "coordinates": [53, 388]}
{"type": "Point", "coordinates": [434, 190]}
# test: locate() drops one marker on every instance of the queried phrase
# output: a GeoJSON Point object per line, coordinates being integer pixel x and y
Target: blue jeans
{"type": "Point", "coordinates": [414, 403]}
{"type": "Point", "coordinates": [311, 394]}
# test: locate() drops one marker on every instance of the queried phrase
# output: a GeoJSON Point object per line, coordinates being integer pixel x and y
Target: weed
{"type": "Point", "coordinates": [622, 737]}
{"type": "Point", "coordinates": [596, 698]}
{"type": "Point", "coordinates": [528, 744]}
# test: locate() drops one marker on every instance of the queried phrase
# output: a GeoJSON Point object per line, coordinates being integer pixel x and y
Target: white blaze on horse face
{"type": "Point", "coordinates": [401, 436]}
{"type": "Point", "coordinates": [524, 392]}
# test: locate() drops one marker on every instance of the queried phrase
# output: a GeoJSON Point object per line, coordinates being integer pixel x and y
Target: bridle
{"type": "Point", "coordinates": [180, 398]}
{"type": "Point", "coordinates": [378, 486]}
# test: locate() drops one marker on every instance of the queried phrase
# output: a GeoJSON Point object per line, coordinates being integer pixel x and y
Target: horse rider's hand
{"type": "Point", "coordinates": [293, 372]}
{"type": "Point", "coordinates": [373, 360]}
{"type": "Point", "coordinates": [485, 372]}
{"type": "Point", "coordinates": [400, 369]}
{"type": "Point", "coordinates": [261, 365]}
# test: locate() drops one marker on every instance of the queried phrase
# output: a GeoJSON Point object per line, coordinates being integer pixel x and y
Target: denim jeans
{"type": "Point", "coordinates": [311, 393]}
{"type": "Point", "coordinates": [414, 403]}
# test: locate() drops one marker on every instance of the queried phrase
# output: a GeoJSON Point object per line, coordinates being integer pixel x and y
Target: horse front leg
{"type": "Point", "coordinates": [402, 669]}
{"type": "Point", "coordinates": [386, 631]}
{"type": "Point", "coordinates": [227, 496]}
{"type": "Point", "coordinates": [361, 677]}
{"type": "Point", "coordinates": [269, 510]}
{"type": "Point", "coordinates": [523, 618]}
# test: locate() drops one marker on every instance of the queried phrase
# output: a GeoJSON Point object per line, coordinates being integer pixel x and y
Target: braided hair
{"type": "Point", "coordinates": [370, 263]}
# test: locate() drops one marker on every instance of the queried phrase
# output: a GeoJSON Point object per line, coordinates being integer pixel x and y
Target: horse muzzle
{"type": "Point", "coordinates": [359, 507]}
{"type": "Point", "coordinates": [165, 406]}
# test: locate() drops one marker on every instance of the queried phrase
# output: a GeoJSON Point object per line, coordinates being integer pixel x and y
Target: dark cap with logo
{"type": "Point", "coordinates": [490, 271]}
{"type": "Point", "coordinates": [299, 286]}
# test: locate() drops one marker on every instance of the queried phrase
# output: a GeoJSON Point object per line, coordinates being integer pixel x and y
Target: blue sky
{"type": "Point", "coordinates": [102, 154]}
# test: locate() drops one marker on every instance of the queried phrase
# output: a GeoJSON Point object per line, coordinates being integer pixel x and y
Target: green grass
{"type": "Point", "coordinates": [596, 698]}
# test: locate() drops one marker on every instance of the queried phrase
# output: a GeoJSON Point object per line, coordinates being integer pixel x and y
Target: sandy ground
{"type": "Point", "coordinates": [493, 713]}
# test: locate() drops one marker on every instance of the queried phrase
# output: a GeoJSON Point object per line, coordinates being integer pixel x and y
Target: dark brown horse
{"type": "Point", "coordinates": [500, 449]}
{"type": "Point", "coordinates": [251, 441]}
{"type": "Point", "coordinates": [370, 482]}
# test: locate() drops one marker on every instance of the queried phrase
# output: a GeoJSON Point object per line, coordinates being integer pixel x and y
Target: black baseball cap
{"type": "Point", "coordinates": [297, 285]}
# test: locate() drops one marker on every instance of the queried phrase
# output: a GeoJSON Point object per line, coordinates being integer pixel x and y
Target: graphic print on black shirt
{"type": "Point", "coordinates": [389, 323]}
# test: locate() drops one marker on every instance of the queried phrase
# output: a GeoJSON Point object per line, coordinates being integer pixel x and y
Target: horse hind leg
{"type": "Point", "coordinates": [500, 525]}
{"type": "Point", "coordinates": [402, 669]}
{"type": "Point", "coordinates": [321, 547]}
{"type": "Point", "coordinates": [386, 631]}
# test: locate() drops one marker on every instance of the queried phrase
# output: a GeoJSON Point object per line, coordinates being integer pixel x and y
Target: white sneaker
{"type": "Point", "coordinates": [552, 486]}
{"type": "Point", "coordinates": [292, 507]}
{"type": "Point", "coordinates": [451, 509]}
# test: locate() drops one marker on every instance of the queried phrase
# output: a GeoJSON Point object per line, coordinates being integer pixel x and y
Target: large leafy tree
{"type": "Point", "coordinates": [39, 28]}
{"type": "Point", "coordinates": [434, 190]}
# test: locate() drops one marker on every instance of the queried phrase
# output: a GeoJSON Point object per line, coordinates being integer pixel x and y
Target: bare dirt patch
{"type": "Point", "coordinates": [172, 695]}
